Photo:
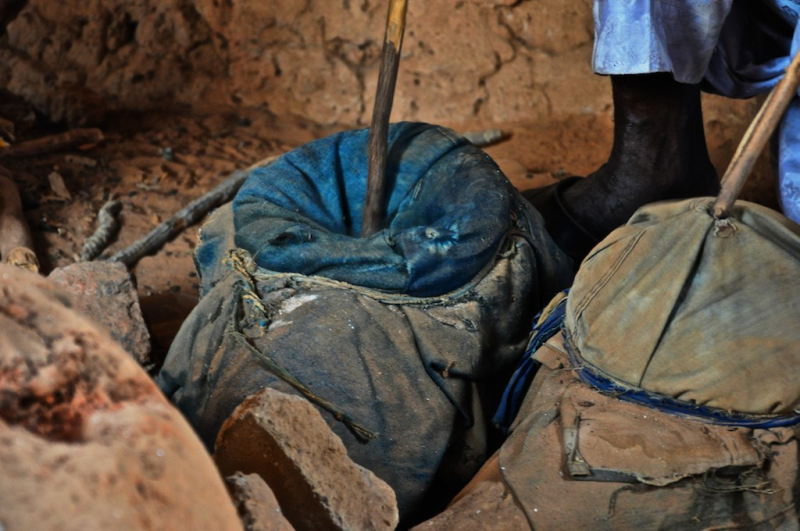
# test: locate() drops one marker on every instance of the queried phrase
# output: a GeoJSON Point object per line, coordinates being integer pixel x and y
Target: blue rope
{"type": "Point", "coordinates": [527, 368]}
{"type": "Point", "coordinates": [674, 406]}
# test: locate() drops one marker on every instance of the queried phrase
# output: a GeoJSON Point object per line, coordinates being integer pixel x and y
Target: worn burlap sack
{"type": "Point", "coordinates": [582, 459]}
{"type": "Point", "coordinates": [688, 307]}
{"type": "Point", "coordinates": [665, 395]}
{"type": "Point", "coordinates": [401, 339]}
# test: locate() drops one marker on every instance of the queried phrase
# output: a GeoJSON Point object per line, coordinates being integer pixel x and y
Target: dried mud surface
{"type": "Point", "coordinates": [154, 164]}
{"type": "Point", "coordinates": [463, 62]}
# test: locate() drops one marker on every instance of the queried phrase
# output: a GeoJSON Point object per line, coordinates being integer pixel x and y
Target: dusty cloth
{"type": "Point", "coordinates": [712, 304]}
{"type": "Point", "coordinates": [736, 48]}
{"type": "Point", "coordinates": [664, 394]}
{"type": "Point", "coordinates": [581, 459]}
{"type": "Point", "coordinates": [404, 374]}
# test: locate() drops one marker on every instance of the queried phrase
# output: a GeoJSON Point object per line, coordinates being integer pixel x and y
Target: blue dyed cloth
{"type": "Point", "coordinates": [447, 212]}
{"type": "Point", "coordinates": [736, 48]}
{"type": "Point", "coordinates": [527, 368]}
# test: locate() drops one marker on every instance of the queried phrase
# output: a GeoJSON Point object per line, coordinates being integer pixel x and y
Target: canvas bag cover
{"type": "Point", "coordinates": [463, 263]}
{"type": "Point", "coordinates": [581, 459]}
{"type": "Point", "coordinates": [688, 307]}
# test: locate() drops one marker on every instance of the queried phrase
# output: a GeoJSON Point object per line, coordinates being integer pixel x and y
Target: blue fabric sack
{"type": "Point", "coordinates": [409, 334]}
{"type": "Point", "coordinates": [447, 212]}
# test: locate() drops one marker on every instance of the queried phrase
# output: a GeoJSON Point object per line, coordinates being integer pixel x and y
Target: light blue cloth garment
{"type": "Point", "coordinates": [736, 48]}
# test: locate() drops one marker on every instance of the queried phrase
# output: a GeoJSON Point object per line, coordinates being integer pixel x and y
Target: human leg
{"type": "Point", "coordinates": [659, 152]}
{"type": "Point", "coordinates": [656, 54]}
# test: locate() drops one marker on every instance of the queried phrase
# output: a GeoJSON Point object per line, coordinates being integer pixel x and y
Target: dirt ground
{"type": "Point", "coordinates": [155, 164]}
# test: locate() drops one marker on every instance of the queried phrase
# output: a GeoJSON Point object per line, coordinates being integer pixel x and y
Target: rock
{"type": "Point", "coordinates": [258, 508]}
{"type": "Point", "coordinates": [104, 292]}
{"type": "Point", "coordinates": [488, 506]}
{"type": "Point", "coordinates": [86, 439]}
{"type": "Point", "coordinates": [284, 439]}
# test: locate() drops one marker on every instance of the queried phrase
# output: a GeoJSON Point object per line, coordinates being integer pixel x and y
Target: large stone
{"type": "Point", "coordinates": [86, 439]}
{"type": "Point", "coordinates": [258, 508]}
{"type": "Point", "coordinates": [284, 439]}
{"type": "Point", "coordinates": [104, 292]}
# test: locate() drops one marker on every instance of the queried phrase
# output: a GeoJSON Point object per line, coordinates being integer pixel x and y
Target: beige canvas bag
{"type": "Point", "coordinates": [581, 459]}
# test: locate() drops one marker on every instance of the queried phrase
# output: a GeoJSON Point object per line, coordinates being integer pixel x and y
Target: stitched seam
{"type": "Point", "coordinates": [607, 277]}
{"type": "Point", "coordinates": [685, 286]}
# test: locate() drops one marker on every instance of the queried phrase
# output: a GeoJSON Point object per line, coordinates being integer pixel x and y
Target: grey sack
{"type": "Point", "coordinates": [403, 374]}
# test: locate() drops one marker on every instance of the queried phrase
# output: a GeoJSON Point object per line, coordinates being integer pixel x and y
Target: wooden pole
{"type": "Point", "coordinates": [379, 129]}
{"type": "Point", "coordinates": [16, 244]}
{"type": "Point", "coordinates": [756, 138]}
{"type": "Point", "coordinates": [48, 144]}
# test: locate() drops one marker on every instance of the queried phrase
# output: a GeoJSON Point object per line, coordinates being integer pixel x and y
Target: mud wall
{"type": "Point", "coordinates": [520, 64]}
{"type": "Point", "coordinates": [464, 61]}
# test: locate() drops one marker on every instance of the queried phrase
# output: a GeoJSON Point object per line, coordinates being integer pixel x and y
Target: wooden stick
{"type": "Point", "coordinates": [379, 129]}
{"type": "Point", "coordinates": [756, 137]}
{"type": "Point", "coordinates": [107, 227]}
{"type": "Point", "coordinates": [186, 217]}
{"type": "Point", "coordinates": [48, 144]}
{"type": "Point", "coordinates": [16, 244]}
